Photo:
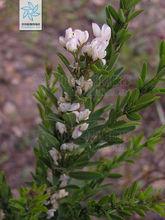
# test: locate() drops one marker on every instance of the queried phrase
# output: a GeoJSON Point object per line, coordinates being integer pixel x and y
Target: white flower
{"type": "Point", "coordinates": [73, 39]}
{"type": "Point", "coordinates": [83, 85]}
{"type": "Point", "coordinates": [68, 35]}
{"type": "Point", "coordinates": [78, 90]}
{"type": "Point", "coordinates": [72, 45]}
{"type": "Point", "coordinates": [98, 49]}
{"type": "Point", "coordinates": [62, 193]}
{"type": "Point", "coordinates": [64, 107]}
{"type": "Point", "coordinates": [55, 155]}
{"type": "Point", "coordinates": [81, 36]}
{"type": "Point", "coordinates": [74, 107]}
{"type": "Point", "coordinates": [61, 100]}
{"type": "Point", "coordinates": [79, 130]}
{"type": "Point", "coordinates": [68, 107]}
{"type": "Point", "coordinates": [59, 195]}
{"type": "Point", "coordinates": [82, 115]}
{"type": "Point", "coordinates": [69, 41]}
{"type": "Point", "coordinates": [69, 146]}
{"type": "Point", "coordinates": [80, 82]}
{"type": "Point", "coordinates": [104, 33]}
{"type": "Point", "coordinates": [53, 201]}
{"type": "Point", "coordinates": [72, 81]}
{"type": "Point", "coordinates": [49, 175]}
{"type": "Point", "coordinates": [50, 213]}
{"type": "Point", "coordinates": [88, 85]}
{"type": "Point", "coordinates": [87, 49]}
{"type": "Point", "coordinates": [84, 127]}
{"type": "Point", "coordinates": [61, 127]}
{"type": "Point", "coordinates": [64, 180]}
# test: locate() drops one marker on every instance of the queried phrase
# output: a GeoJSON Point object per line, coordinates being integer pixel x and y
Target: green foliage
{"type": "Point", "coordinates": [30, 204]}
{"type": "Point", "coordinates": [131, 201]}
{"type": "Point", "coordinates": [68, 183]}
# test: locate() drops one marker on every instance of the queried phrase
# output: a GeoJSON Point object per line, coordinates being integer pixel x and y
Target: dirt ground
{"type": "Point", "coordinates": [23, 56]}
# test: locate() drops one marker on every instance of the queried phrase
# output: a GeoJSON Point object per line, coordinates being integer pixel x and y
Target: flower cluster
{"type": "Point", "coordinates": [55, 197]}
{"type": "Point", "coordinates": [81, 115]}
{"type": "Point", "coordinates": [75, 42]}
{"type": "Point", "coordinates": [81, 85]}
{"type": "Point", "coordinates": [96, 49]}
{"type": "Point", "coordinates": [54, 202]}
{"type": "Point", "coordinates": [74, 39]}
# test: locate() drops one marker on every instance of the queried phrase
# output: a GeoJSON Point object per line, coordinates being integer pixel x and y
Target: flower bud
{"type": "Point", "coordinates": [61, 127]}
{"type": "Point", "coordinates": [55, 155]}
{"type": "Point", "coordinates": [78, 90]}
{"type": "Point", "coordinates": [88, 85]}
{"type": "Point", "coordinates": [82, 115]}
{"type": "Point", "coordinates": [64, 180]}
{"type": "Point", "coordinates": [69, 146]}
{"type": "Point", "coordinates": [79, 130]}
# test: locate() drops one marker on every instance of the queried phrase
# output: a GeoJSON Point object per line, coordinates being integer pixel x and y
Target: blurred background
{"type": "Point", "coordinates": [23, 55]}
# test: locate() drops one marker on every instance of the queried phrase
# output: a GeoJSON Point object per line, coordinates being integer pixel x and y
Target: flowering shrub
{"type": "Point", "coordinates": [68, 184]}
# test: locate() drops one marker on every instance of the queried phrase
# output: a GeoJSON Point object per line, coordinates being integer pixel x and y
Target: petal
{"type": "Point", "coordinates": [76, 133]}
{"type": "Point", "coordinates": [103, 61]}
{"type": "Point", "coordinates": [62, 41]}
{"type": "Point", "coordinates": [106, 32]}
{"type": "Point", "coordinates": [68, 33]}
{"type": "Point", "coordinates": [96, 30]}
{"type": "Point", "coordinates": [84, 127]}
{"type": "Point", "coordinates": [86, 36]}
{"type": "Point", "coordinates": [72, 45]}
{"type": "Point", "coordinates": [74, 107]}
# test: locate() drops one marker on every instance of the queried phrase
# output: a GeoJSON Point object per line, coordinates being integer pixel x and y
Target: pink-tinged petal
{"type": "Point", "coordinates": [74, 107]}
{"type": "Point", "coordinates": [76, 133]}
{"type": "Point", "coordinates": [96, 30]}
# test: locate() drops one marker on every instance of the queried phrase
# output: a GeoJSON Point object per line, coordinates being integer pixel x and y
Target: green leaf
{"type": "Point", "coordinates": [85, 175]}
{"type": "Point", "coordinates": [144, 72]}
{"type": "Point", "coordinates": [64, 59]}
{"type": "Point", "coordinates": [122, 16]}
{"type": "Point", "coordinates": [97, 114]}
{"type": "Point", "coordinates": [134, 14]}
{"type": "Point", "coordinates": [48, 137]}
{"type": "Point", "coordinates": [50, 94]}
{"type": "Point", "coordinates": [143, 104]}
{"type": "Point", "coordinates": [114, 175]}
{"type": "Point", "coordinates": [123, 129]}
{"type": "Point", "coordinates": [113, 12]}
{"type": "Point", "coordinates": [134, 116]}
{"type": "Point", "coordinates": [133, 3]}
{"type": "Point", "coordinates": [102, 71]}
